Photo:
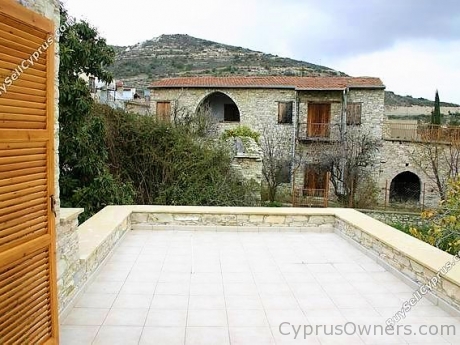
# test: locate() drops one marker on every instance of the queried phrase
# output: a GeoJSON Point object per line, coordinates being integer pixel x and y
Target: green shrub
{"type": "Point", "coordinates": [241, 131]}
{"type": "Point", "coordinates": [169, 164]}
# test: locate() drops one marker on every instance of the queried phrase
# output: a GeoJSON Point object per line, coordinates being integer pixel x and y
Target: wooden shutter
{"type": "Point", "coordinates": [164, 111]}
{"type": "Point", "coordinates": [318, 121]}
{"type": "Point", "coordinates": [354, 113]}
{"type": "Point", "coordinates": [28, 307]}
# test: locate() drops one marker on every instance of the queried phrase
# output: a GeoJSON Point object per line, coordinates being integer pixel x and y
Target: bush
{"type": "Point", "coordinates": [169, 164]}
{"type": "Point", "coordinates": [443, 230]}
{"type": "Point", "coordinates": [241, 131]}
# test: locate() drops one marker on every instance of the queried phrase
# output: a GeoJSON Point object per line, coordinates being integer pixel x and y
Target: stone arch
{"type": "Point", "coordinates": [221, 107]}
{"type": "Point", "coordinates": [405, 187]}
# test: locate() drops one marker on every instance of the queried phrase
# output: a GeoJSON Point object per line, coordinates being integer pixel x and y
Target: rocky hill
{"type": "Point", "coordinates": [393, 99]}
{"type": "Point", "coordinates": [184, 55]}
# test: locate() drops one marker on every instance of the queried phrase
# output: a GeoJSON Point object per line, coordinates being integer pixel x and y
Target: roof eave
{"type": "Point", "coordinates": [222, 87]}
{"type": "Point", "coordinates": [378, 87]}
{"type": "Point", "coordinates": [320, 89]}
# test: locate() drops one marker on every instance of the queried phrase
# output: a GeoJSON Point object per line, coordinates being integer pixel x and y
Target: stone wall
{"type": "Point", "coordinates": [257, 222]}
{"type": "Point", "coordinates": [398, 157]}
{"type": "Point", "coordinates": [394, 217]}
{"type": "Point", "coordinates": [81, 249]}
{"type": "Point", "coordinates": [258, 107]}
{"type": "Point", "coordinates": [68, 256]}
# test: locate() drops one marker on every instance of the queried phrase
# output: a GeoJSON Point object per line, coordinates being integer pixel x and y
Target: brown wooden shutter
{"type": "Point", "coordinates": [28, 303]}
{"type": "Point", "coordinates": [354, 113]}
{"type": "Point", "coordinates": [318, 121]}
{"type": "Point", "coordinates": [164, 111]}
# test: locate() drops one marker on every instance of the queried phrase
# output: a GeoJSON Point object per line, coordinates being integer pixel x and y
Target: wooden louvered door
{"type": "Point", "coordinates": [28, 307]}
{"type": "Point", "coordinates": [318, 121]}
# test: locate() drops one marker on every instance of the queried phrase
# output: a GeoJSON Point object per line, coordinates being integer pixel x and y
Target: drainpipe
{"type": "Point", "coordinates": [295, 119]}
{"type": "Point", "coordinates": [343, 120]}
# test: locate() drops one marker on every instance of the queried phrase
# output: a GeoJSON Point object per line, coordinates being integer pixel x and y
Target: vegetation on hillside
{"type": "Point", "coordinates": [406, 101]}
{"type": "Point", "coordinates": [184, 55]}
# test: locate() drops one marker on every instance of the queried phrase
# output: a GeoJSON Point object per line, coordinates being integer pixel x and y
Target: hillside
{"type": "Point", "coordinates": [406, 101]}
{"type": "Point", "coordinates": [184, 55]}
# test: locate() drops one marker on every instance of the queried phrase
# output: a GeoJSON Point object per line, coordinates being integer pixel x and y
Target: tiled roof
{"type": "Point", "coordinates": [298, 83]}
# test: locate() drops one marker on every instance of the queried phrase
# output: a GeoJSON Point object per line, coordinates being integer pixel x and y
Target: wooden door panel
{"type": "Point", "coordinates": [28, 289]}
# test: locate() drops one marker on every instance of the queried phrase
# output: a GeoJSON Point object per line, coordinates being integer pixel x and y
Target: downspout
{"type": "Point", "coordinates": [343, 128]}
{"type": "Point", "coordinates": [343, 120]}
{"type": "Point", "coordinates": [294, 139]}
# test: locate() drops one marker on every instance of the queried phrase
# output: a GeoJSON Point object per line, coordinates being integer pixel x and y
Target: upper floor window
{"type": "Point", "coordinates": [284, 112]}
{"type": "Point", "coordinates": [354, 111]}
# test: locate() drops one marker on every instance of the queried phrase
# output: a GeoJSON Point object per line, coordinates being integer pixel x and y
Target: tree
{"type": "Point", "coordinates": [436, 113]}
{"type": "Point", "coordinates": [275, 163]}
{"type": "Point", "coordinates": [439, 161]}
{"type": "Point", "coordinates": [348, 161]}
{"type": "Point", "coordinates": [85, 180]}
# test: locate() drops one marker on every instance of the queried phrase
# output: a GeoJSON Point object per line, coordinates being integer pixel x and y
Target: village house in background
{"type": "Point", "coordinates": [119, 96]}
{"type": "Point", "coordinates": [309, 115]}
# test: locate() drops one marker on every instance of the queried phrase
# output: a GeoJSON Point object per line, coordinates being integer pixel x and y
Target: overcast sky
{"type": "Point", "coordinates": [412, 45]}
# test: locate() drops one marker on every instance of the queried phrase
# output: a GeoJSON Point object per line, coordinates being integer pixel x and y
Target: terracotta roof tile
{"type": "Point", "coordinates": [299, 83]}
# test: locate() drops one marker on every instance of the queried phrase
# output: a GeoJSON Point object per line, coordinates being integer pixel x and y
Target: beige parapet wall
{"type": "Point", "coordinates": [412, 260]}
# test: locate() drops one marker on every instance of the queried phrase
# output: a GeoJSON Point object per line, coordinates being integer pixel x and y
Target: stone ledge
{"type": "Point", "coordinates": [93, 232]}
{"type": "Point", "coordinates": [69, 214]}
{"type": "Point", "coordinates": [419, 251]}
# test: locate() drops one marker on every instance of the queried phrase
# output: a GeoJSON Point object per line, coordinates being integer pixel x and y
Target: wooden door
{"type": "Point", "coordinates": [164, 111]}
{"type": "Point", "coordinates": [315, 180]}
{"type": "Point", "coordinates": [318, 121]}
{"type": "Point", "coordinates": [28, 303]}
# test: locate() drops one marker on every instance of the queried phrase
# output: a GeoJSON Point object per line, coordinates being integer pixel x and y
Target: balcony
{"type": "Point", "coordinates": [418, 132]}
{"type": "Point", "coordinates": [318, 132]}
{"type": "Point", "coordinates": [216, 275]}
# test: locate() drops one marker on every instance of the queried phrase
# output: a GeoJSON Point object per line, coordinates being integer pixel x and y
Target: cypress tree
{"type": "Point", "coordinates": [436, 113]}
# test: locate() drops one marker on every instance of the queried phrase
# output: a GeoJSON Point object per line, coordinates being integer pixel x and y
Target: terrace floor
{"type": "Point", "coordinates": [192, 287]}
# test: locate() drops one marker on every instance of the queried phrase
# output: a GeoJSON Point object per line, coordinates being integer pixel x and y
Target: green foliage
{"type": "Point", "coordinates": [436, 114]}
{"type": "Point", "coordinates": [444, 224]}
{"type": "Point", "coordinates": [241, 131]}
{"type": "Point", "coordinates": [170, 164]}
{"type": "Point", "coordinates": [85, 180]}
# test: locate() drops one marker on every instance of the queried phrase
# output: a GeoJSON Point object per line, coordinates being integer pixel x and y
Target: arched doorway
{"type": "Point", "coordinates": [405, 187]}
{"type": "Point", "coordinates": [221, 107]}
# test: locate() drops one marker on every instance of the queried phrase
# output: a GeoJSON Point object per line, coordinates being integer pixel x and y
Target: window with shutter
{"type": "Point", "coordinates": [354, 113]}
{"type": "Point", "coordinates": [164, 111]}
{"type": "Point", "coordinates": [28, 303]}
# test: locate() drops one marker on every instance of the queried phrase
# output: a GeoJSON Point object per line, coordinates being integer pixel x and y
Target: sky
{"type": "Point", "coordinates": [412, 45]}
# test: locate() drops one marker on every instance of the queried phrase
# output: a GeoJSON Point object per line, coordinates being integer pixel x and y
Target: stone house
{"type": "Point", "coordinates": [299, 111]}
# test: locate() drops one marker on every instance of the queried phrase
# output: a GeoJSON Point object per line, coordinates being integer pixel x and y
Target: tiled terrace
{"type": "Point", "coordinates": [198, 287]}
